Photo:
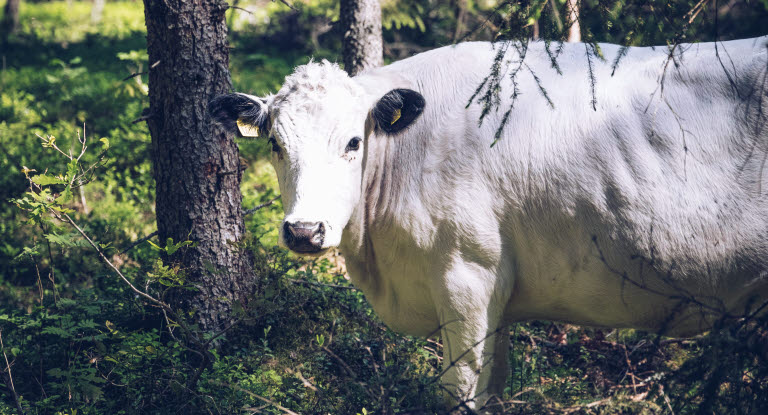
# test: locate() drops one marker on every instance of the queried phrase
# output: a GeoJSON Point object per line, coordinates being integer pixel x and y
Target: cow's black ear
{"type": "Point", "coordinates": [398, 109]}
{"type": "Point", "coordinates": [250, 111]}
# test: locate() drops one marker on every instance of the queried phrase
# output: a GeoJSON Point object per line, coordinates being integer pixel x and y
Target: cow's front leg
{"type": "Point", "coordinates": [470, 315]}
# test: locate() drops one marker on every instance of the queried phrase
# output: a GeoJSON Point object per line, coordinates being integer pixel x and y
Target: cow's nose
{"type": "Point", "coordinates": [304, 237]}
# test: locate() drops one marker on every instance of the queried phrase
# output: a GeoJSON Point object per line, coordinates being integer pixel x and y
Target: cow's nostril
{"type": "Point", "coordinates": [306, 237]}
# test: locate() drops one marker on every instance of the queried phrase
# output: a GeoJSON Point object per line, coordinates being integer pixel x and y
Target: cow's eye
{"type": "Point", "coordinates": [353, 145]}
{"type": "Point", "coordinates": [275, 146]}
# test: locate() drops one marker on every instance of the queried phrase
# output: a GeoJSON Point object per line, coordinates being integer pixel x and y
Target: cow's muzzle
{"type": "Point", "coordinates": [304, 237]}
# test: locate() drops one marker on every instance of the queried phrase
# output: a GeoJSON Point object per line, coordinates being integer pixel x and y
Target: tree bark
{"type": "Point", "coordinates": [362, 45]}
{"type": "Point", "coordinates": [196, 166]}
{"type": "Point", "coordinates": [574, 28]}
{"type": "Point", "coordinates": [10, 23]}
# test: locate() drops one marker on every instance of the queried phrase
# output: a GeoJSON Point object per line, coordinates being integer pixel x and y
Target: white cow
{"type": "Point", "coordinates": [648, 211]}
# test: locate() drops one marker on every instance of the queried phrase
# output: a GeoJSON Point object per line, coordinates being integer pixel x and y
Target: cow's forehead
{"type": "Point", "coordinates": [316, 87]}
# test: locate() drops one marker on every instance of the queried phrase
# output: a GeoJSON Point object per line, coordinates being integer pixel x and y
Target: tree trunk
{"type": "Point", "coordinates": [362, 46]}
{"type": "Point", "coordinates": [97, 10]}
{"type": "Point", "coordinates": [574, 29]}
{"type": "Point", "coordinates": [196, 166]}
{"type": "Point", "coordinates": [10, 23]}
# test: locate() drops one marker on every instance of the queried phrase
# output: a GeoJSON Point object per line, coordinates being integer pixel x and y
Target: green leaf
{"type": "Point", "coordinates": [67, 239]}
{"type": "Point", "coordinates": [57, 332]}
{"type": "Point", "coordinates": [72, 170]}
{"type": "Point", "coordinates": [45, 180]}
{"type": "Point", "coordinates": [65, 196]}
{"type": "Point", "coordinates": [55, 372]}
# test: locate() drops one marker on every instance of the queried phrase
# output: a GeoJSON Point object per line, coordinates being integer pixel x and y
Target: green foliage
{"type": "Point", "coordinates": [398, 15]}
{"type": "Point", "coordinates": [68, 22]}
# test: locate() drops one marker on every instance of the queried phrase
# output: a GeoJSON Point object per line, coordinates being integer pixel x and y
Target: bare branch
{"type": "Point", "coordinates": [261, 206]}
{"type": "Point", "coordinates": [259, 397]}
{"type": "Point", "coordinates": [9, 377]}
{"type": "Point", "coordinates": [138, 242]}
{"type": "Point", "coordinates": [106, 260]}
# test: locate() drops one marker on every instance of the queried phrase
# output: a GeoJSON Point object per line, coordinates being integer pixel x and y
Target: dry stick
{"type": "Point", "coordinates": [142, 118]}
{"type": "Point", "coordinates": [133, 75]}
{"type": "Point", "coordinates": [290, 6]}
{"type": "Point", "coordinates": [261, 206]}
{"type": "Point", "coordinates": [343, 363]}
{"type": "Point", "coordinates": [39, 279]}
{"type": "Point", "coordinates": [306, 383]}
{"type": "Point", "coordinates": [114, 268]}
{"type": "Point", "coordinates": [320, 284]}
{"type": "Point", "coordinates": [10, 377]}
{"type": "Point", "coordinates": [485, 22]}
{"type": "Point", "coordinates": [263, 399]}
{"type": "Point", "coordinates": [241, 9]}
{"type": "Point", "coordinates": [138, 242]}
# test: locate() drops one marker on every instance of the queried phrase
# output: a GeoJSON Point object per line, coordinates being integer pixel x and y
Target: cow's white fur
{"type": "Point", "coordinates": [602, 217]}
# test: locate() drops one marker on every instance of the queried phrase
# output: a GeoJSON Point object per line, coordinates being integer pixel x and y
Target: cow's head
{"type": "Point", "coordinates": [318, 124]}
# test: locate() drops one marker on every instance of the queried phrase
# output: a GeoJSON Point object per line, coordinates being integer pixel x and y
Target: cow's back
{"type": "Point", "coordinates": [620, 189]}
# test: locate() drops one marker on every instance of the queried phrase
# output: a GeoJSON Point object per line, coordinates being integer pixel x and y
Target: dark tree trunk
{"type": "Point", "coordinates": [362, 44]}
{"type": "Point", "coordinates": [196, 167]}
{"type": "Point", "coordinates": [10, 23]}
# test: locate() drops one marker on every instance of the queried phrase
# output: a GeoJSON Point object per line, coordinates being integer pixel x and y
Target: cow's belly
{"type": "Point", "coordinates": [580, 286]}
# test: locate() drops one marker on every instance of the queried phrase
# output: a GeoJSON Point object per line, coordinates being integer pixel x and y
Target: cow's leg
{"type": "Point", "coordinates": [500, 369]}
{"type": "Point", "coordinates": [470, 315]}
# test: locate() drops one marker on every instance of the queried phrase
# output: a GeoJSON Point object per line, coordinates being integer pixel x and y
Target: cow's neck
{"type": "Point", "coordinates": [356, 244]}
{"type": "Point", "coordinates": [380, 208]}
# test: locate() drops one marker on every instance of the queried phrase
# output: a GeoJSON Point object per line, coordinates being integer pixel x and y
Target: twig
{"type": "Point", "coordinates": [138, 242]}
{"type": "Point", "coordinates": [241, 9]}
{"type": "Point", "coordinates": [290, 6]}
{"type": "Point", "coordinates": [303, 380]}
{"type": "Point", "coordinates": [10, 377]}
{"type": "Point", "coordinates": [342, 362]}
{"type": "Point", "coordinates": [259, 397]}
{"type": "Point", "coordinates": [39, 279]}
{"type": "Point", "coordinates": [133, 75]}
{"type": "Point", "coordinates": [261, 206]}
{"type": "Point", "coordinates": [111, 265]}
{"type": "Point", "coordinates": [484, 23]}
{"type": "Point", "coordinates": [142, 118]}
{"type": "Point", "coordinates": [320, 284]}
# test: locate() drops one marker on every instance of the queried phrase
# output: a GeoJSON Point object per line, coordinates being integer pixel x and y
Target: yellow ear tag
{"type": "Point", "coordinates": [396, 116]}
{"type": "Point", "coordinates": [247, 130]}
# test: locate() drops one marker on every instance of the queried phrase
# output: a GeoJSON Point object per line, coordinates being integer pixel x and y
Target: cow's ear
{"type": "Point", "coordinates": [241, 113]}
{"type": "Point", "coordinates": [398, 109]}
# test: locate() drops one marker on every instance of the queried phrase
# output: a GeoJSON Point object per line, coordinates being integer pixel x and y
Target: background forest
{"type": "Point", "coordinates": [76, 339]}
